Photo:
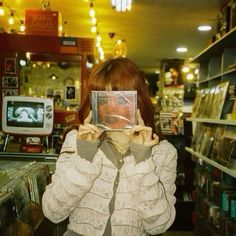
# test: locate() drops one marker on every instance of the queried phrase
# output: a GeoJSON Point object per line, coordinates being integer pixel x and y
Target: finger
{"type": "Point", "coordinates": [88, 118]}
{"type": "Point", "coordinates": [156, 138]}
{"type": "Point", "coordinates": [139, 118]}
{"type": "Point", "coordinates": [135, 129]}
{"type": "Point", "coordinates": [153, 141]}
{"type": "Point", "coordinates": [139, 128]}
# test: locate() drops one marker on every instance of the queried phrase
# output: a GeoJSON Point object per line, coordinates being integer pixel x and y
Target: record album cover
{"type": "Point", "coordinates": [219, 100]}
{"type": "Point", "coordinates": [114, 110]}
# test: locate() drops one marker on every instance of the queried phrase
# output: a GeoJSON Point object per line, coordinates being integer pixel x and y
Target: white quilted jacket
{"type": "Point", "coordinates": [143, 192]}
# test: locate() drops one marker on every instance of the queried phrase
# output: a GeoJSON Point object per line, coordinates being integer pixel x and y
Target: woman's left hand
{"type": "Point", "coordinates": [142, 134]}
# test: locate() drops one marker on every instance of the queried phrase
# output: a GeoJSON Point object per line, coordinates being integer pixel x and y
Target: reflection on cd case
{"type": "Point", "coordinates": [114, 110]}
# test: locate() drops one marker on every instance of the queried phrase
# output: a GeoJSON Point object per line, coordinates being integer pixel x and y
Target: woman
{"type": "Point", "coordinates": [109, 182]}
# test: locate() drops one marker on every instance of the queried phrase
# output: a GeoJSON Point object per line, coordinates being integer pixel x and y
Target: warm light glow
{"type": "Point", "coordinates": [181, 49]}
{"type": "Point", "coordinates": [99, 38]}
{"type": "Point", "coordinates": [120, 48]}
{"type": "Point", "coordinates": [196, 71]}
{"type": "Point", "coordinates": [22, 26]}
{"type": "Point", "coordinates": [53, 77]}
{"type": "Point", "coordinates": [94, 21]}
{"type": "Point", "coordinates": [119, 42]}
{"type": "Point", "coordinates": [28, 56]}
{"type": "Point", "coordinates": [94, 29]}
{"type": "Point", "coordinates": [185, 69]}
{"type": "Point", "coordinates": [92, 11]}
{"type": "Point", "coordinates": [121, 5]}
{"type": "Point", "coordinates": [60, 28]}
{"type": "Point", "coordinates": [98, 44]}
{"type": "Point", "coordinates": [11, 20]}
{"type": "Point", "coordinates": [190, 76]}
{"type": "Point", "coordinates": [2, 12]}
{"type": "Point", "coordinates": [204, 28]}
{"type": "Point", "coordinates": [22, 62]}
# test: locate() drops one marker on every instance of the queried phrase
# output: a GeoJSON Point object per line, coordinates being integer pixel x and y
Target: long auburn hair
{"type": "Point", "coordinates": [119, 74]}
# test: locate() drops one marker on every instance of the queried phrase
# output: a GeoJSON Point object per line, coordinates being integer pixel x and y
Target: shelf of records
{"type": "Point", "coordinates": [215, 201]}
{"type": "Point", "coordinates": [216, 145]}
{"type": "Point", "coordinates": [214, 103]}
{"type": "Point", "coordinates": [21, 187]}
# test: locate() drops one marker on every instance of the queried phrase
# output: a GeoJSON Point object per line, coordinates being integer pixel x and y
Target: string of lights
{"type": "Point", "coordinates": [13, 16]}
{"type": "Point", "coordinates": [95, 30]}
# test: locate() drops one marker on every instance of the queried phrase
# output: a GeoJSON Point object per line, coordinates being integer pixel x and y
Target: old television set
{"type": "Point", "coordinates": [25, 115]}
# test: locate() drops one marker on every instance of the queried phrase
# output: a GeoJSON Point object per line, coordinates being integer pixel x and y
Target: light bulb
{"type": "Point", "coordinates": [99, 38]}
{"type": "Point", "coordinates": [91, 11]}
{"type": "Point", "coordinates": [94, 29]}
{"type": "Point", "coordinates": [2, 12]}
{"type": "Point", "coordinates": [22, 26]}
{"type": "Point", "coordinates": [94, 21]}
{"type": "Point", "coordinates": [11, 20]}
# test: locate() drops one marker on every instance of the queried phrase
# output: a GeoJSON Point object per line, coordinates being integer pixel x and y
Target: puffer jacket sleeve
{"type": "Point", "coordinates": [72, 179]}
{"type": "Point", "coordinates": [157, 188]}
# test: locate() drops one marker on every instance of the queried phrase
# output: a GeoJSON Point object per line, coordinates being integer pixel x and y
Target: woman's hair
{"type": "Point", "coordinates": [114, 75]}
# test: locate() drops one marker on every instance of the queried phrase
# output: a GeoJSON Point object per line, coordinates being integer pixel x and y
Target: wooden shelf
{"type": "Point", "coordinates": [213, 121]}
{"type": "Point", "coordinates": [216, 48]}
{"type": "Point", "coordinates": [218, 76]}
{"type": "Point", "coordinates": [213, 163]}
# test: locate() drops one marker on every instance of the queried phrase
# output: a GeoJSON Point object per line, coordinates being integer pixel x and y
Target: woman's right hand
{"type": "Point", "coordinates": [88, 131]}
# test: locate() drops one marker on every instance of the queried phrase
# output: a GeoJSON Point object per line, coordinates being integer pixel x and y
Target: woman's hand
{"type": "Point", "coordinates": [142, 134]}
{"type": "Point", "coordinates": [88, 131]}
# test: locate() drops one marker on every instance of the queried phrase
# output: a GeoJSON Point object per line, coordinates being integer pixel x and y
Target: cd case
{"type": "Point", "coordinates": [114, 110]}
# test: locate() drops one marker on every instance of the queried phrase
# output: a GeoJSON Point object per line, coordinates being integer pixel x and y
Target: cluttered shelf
{"type": "Point", "coordinates": [231, 172]}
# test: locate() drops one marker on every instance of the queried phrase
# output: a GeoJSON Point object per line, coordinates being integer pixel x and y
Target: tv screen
{"type": "Point", "coordinates": [27, 115]}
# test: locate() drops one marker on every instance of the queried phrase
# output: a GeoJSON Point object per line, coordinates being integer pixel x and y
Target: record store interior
{"type": "Point", "coordinates": [186, 51]}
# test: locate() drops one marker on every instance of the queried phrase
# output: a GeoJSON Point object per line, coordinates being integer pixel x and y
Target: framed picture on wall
{"type": "Point", "coordinates": [70, 93]}
{"type": "Point", "coordinates": [9, 92]}
{"type": "Point", "coordinates": [9, 82]}
{"type": "Point", "coordinates": [10, 65]}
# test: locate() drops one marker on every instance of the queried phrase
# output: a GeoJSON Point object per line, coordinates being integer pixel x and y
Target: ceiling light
{"type": "Point", "coordinates": [120, 48]}
{"type": "Point", "coordinates": [185, 69]}
{"type": "Point", "coordinates": [22, 62]}
{"type": "Point", "coordinates": [121, 5]}
{"type": "Point", "coordinates": [2, 12]}
{"type": "Point", "coordinates": [196, 71]}
{"type": "Point", "coordinates": [190, 76]}
{"type": "Point", "coordinates": [181, 49]}
{"type": "Point", "coordinates": [53, 76]}
{"type": "Point", "coordinates": [204, 27]}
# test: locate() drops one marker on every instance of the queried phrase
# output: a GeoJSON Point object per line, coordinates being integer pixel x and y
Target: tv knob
{"type": "Point", "coordinates": [49, 115]}
{"type": "Point", "coordinates": [48, 108]}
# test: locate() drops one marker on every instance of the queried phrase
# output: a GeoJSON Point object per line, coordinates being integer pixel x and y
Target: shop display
{"type": "Point", "coordinates": [21, 188]}
{"type": "Point", "coordinates": [214, 139]}
{"type": "Point", "coordinates": [209, 102]}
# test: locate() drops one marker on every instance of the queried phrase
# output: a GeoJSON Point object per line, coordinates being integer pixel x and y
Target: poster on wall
{"type": "Point", "coordinates": [9, 92]}
{"type": "Point", "coordinates": [9, 82]}
{"type": "Point", "coordinates": [10, 65]}
{"type": "Point", "coordinates": [70, 93]}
